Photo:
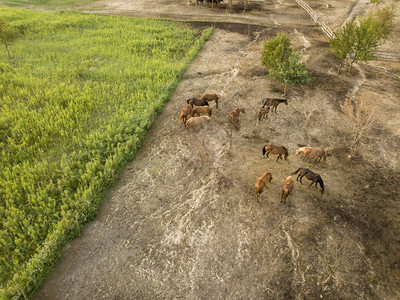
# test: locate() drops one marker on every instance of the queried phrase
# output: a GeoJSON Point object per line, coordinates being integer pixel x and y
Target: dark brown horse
{"type": "Point", "coordinates": [310, 175]}
{"type": "Point", "coordinates": [274, 102]}
{"type": "Point", "coordinates": [197, 102]}
{"type": "Point", "coordinates": [276, 150]}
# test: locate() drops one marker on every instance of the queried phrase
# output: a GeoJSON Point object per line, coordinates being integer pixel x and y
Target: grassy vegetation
{"type": "Point", "coordinates": [77, 97]}
{"type": "Point", "coordinates": [46, 3]}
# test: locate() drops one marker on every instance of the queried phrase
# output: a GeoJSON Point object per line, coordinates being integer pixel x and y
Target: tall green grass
{"type": "Point", "coordinates": [77, 97]}
{"type": "Point", "coordinates": [51, 4]}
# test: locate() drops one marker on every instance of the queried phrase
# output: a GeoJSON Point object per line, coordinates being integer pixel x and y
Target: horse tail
{"type": "Point", "coordinates": [210, 112]}
{"type": "Point", "coordinates": [286, 154]}
{"type": "Point", "coordinates": [321, 183]}
{"type": "Point", "coordinates": [295, 172]}
{"type": "Point", "coordinates": [264, 151]}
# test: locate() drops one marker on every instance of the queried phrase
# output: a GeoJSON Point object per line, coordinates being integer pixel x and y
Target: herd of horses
{"type": "Point", "coordinates": [198, 111]}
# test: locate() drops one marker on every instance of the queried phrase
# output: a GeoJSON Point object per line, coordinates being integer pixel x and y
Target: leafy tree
{"type": "Point", "coordinates": [276, 51]}
{"type": "Point", "coordinates": [366, 38]}
{"type": "Point", "coordinates": [385, 20]}
{"type": "Point", "coordinates": [291, 72]}
{"type": "Point", "coordinates": [342, 43]}
{"type": "Point", "coordinates": [7, 35]}
{"type": "Point", "coordinates": [358, 41]}
{"type": "Point", "coordinates": [283, 62]}
{"type": "Point", "coordinates": [377, 2]}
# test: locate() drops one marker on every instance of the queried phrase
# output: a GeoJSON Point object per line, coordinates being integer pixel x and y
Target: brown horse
{"type": "Point", "coordinates": [185, 114]}
{"type": "Point", "coordinates": [287, 188]}
{"type": "Point", "coordinates": [312, 154]}
{"type": "Point", "coordinates": [276, 150]}
{"type": "Point", "coordinates": [201, 110]}
{"type": "Point", "coordinates": [274, 102]}
{"type": "Point", "coordinates": [262, 182]}
{"type": "Point", "coordinates": [233, 117]}
{"type": "Point", "coordinates": [310, 175]}
{"type": "Point", "coordinates": [211, 97]}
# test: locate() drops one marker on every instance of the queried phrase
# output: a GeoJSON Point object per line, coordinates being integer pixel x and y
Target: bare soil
{"type": "Point", "coordinates": [183, 222]}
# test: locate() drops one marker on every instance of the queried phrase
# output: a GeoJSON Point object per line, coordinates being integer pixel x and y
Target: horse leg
{"type": "Point", "coordinates": [312, 182]}
{"type": "Point", "coordinates": [216, 102]}
{"type": "Point", "coordinates": [279, 156]}
{"type": "Point", "coordinates": [301, 177]}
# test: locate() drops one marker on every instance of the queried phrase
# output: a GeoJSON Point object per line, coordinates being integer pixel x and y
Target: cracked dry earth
{"type": "Point", "coordinates": [183, 222]}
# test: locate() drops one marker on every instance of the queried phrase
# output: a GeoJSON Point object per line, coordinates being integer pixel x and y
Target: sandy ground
{"type": "Point", "coordinates": [183, 222]}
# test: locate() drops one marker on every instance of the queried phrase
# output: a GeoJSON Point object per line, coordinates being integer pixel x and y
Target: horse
{"type": "Point", "coordinates": [263, 112]}
{"type": "Point", "coordinates": [197, 121]}
{"type": "Point", "coordinates": [197, 102]}
{"type": "Point", "coordinates": [233, 117]}
{"type": "Point", "coordinates": [310, 175]}
{"type": "Point", "coordinates": [274, 102]}
{"type": "Point", "coordinates": [211, 97]}
{"type": "Point", "coordinates": [262, 182]}
{"type": "Point", "coordinates": [185, 113]}
{"type": "Point", "coordinates": [276, 150]}
{"type": "Point", "coordinates": [310, 153]}
{"type": "Point", "coordinates": [287, 188]}
{"type": "Point", "coordinates": [199, 110]}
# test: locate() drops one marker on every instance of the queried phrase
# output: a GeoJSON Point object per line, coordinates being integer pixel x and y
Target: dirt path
{"type": "Point", "coordinates": [182, 221]}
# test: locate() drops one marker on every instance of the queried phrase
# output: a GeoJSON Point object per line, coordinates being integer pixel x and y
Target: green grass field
{"type": "Point", "coordinates": [46, 3]}
{"type": "Point", "coordinates": [77, 97]}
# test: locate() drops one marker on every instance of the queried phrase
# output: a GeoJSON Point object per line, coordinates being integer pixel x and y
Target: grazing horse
{"type": "Point", "coordinates": [211, 97]}
{"type": "Point", "coordinates": [197, 121]}
{"type": "Point", "coordinates": [233, 117]}
{"type": "Point", "coordinates": [263, 112]}
{"type": "Point", "coordinates": [197, 102]}
{"type": "Point", "coordinates": [310, 175]}
{"type": "Point", "coordinates": [274, 102]}
{"type": "Point", "coordinates": [185, 114]}
{"type": "Point", "coordinates": [200, 110]}
{"type": "Point", "coordinates": [287, 188]}
{"type": "Point", "coordinates": [262, 182]}
{"type": "Point", "coordinates": [276, 150]}
{"type": "Point", "coordinates": [315, 154]}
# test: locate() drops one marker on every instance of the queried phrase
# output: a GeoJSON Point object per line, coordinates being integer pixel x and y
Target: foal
{"type": "Point", "coordinates": [274, 102]}
{"type": "Point", "coordinates": [233, 117]}
{"type": "Point", "coordinates": [310, 175]}
{"type": "Point", "coordinates": [263, 112]}
{"type": "Point", "coordinates": [276, 150]}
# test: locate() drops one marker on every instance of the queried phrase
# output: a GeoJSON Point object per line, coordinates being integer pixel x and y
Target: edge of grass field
{"type": "Point", "coordinates": [27, 280]}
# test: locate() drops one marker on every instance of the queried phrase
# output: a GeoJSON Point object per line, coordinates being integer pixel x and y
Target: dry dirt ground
{"type": "Point", "coordinates": [183, 222]}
